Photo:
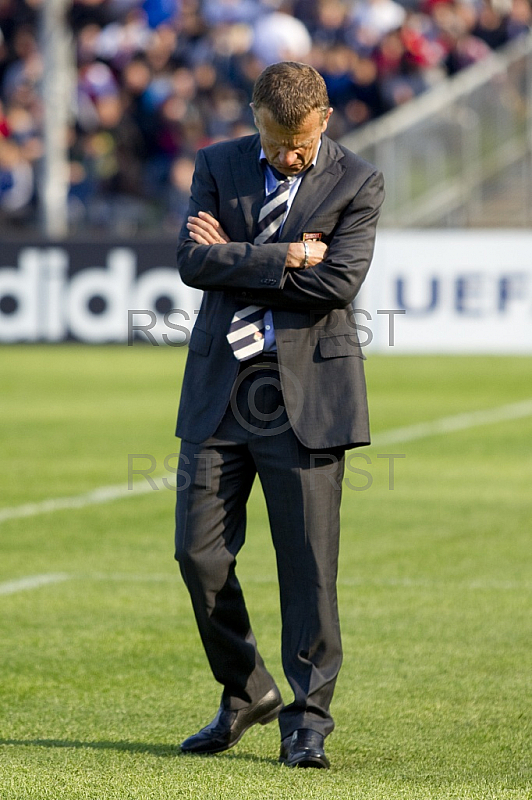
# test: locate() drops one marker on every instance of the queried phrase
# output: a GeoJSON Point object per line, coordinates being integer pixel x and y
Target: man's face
{"type": "Point", "coordinates": [290, 151]}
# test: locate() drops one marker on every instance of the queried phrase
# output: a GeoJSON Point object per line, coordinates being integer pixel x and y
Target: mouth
{"type": "Point", "coordinates": [290, 170]}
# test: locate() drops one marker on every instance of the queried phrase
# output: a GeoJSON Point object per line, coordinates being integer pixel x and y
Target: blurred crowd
{"type": "Point", "coordinates": [158, 79]}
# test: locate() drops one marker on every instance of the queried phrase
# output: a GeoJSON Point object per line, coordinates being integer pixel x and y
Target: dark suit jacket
{"type": "Point", "coordinates": [321, 363]}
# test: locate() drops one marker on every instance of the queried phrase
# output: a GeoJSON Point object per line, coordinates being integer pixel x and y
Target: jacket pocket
{"type": "Point", "coordinates": [200, 341]}
{"type": "Point", "coordinates": [340, 346]}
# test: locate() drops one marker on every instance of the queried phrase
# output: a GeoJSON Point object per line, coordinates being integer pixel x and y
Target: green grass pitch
{"type": "Point", "coordinates": [102, 673]}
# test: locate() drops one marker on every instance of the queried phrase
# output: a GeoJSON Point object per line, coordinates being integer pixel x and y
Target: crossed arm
{"type": "Point", "coordinates": [205, 229]}
{"type": "Point", "coordinates": [272, 274]}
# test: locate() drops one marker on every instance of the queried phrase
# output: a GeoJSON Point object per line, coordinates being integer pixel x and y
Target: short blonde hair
{"type": "Point", "coordinates": [290, 91]}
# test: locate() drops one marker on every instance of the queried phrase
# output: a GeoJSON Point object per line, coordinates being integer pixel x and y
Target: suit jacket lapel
{"type": "Point", "coordinates": [316, 185]}
{"type": "Point", "coordinates": [249, 181]}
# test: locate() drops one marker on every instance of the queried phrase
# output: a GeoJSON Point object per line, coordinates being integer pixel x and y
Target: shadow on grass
{"type": "Point", "coordinates": [160, 750]}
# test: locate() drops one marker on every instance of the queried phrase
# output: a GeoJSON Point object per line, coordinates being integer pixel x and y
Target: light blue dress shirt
{"type": "Point", "coordinates": [271, 184]}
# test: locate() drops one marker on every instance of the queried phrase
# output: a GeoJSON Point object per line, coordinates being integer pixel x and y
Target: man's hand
{"type": "Point", "coordinates": [204, 229]}
{"type": "Point", "coordinates": [295, 258]}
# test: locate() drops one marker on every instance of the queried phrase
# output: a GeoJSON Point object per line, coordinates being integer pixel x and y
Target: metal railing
{"type": "Point", "coordinates": [460, 154]}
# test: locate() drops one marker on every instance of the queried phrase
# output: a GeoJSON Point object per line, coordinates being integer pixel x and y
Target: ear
{"type": "Point", "coordinates": [252, 107]}
{"type": "Point", "coordinates": [326, 120]}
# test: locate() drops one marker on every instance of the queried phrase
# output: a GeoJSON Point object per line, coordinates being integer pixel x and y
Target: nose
{"type": "Point", "coordinates": [287, 158]}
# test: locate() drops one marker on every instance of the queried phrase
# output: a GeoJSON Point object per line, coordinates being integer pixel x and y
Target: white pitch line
{"type": "Point", "coordinates": [408, 433]}
{"type": "Point", "coordinates": [458, 422]}
{"type": "Point", "coordinates": [35, 581]}
{"type": "Point", "coordinates": [32, 582]}
{"type": "Point", "coordinates": [102, 495]}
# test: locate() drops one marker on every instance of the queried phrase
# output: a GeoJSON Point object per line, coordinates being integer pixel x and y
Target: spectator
{"type": "Point", "coordinates": [157, 79]}
{"type": "Point", "coordinates": [280, 37]}
{"type": "Point", "coordinates": [16, 180]}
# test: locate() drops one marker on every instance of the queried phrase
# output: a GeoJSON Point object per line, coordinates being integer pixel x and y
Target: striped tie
{"type": "Point", "coordinates": [246, 332]}
{"type": "Point", "coordinates": [272, 213]}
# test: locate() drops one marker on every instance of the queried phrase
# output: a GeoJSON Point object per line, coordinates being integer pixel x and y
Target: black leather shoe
{"type": "Point", "coordinates": [228, 727]}
{"type": "Point", "coordinates": [304, 749]}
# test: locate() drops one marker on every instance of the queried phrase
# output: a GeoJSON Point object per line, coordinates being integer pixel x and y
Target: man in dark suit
{"type": "Point", "coordinates": [280, 235]}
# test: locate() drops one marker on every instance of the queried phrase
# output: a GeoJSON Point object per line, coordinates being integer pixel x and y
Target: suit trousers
{"type": "Point", "coordinates": [302, 489]}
